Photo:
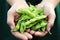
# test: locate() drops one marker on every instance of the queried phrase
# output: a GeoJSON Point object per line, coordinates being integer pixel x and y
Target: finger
{"type": "Point", "coordinates": [51, 16]}
{"type": "Point", "coordinates": [32, 32]}
{"type": "Point", "coordinates": [29, 36]}
{"type": "Point", "coordinates": [19, 35]}
{"type": "Point", "coordinates": [28, 30]}
{"type": "Point", "coordinates": [51, 19]}
{"type": "Point", "coordinates": [40, 34]}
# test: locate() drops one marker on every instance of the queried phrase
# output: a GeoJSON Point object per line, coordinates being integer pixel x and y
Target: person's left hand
{"type": "Point", "coordinates": [50, 13]}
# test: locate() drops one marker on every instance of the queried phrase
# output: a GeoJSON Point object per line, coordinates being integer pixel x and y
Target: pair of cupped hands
{"type": "Point", "coordinates": [12, 15]}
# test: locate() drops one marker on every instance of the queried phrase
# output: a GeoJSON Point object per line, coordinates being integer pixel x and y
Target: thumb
{"type": "Point", "coordinates": [10, 19]}
{"type": "Point", "coordinates": [51, 19]}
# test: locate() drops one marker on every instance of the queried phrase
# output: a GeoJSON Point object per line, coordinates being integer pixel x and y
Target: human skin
{"type": "Point", "coordinates": [12, 15]}
{"type": "Point", "coordinates": [49, 7]}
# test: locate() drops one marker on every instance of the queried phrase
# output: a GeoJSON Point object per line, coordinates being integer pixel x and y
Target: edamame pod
{"type": "Point", "coordinates": [43, 23]}
{"type": "Point", "coordinates": [43, 28]}
{"type": "Point", "coordinates": [26, 12]}
{"type": "Point", "coordinates": [36, 27]}
{"type": "Point", "coordinates": [31, 25]}
{"type": "Point", "coordinates": [35, 19]}
{"type": "Point", "coordinates": [17, 26]}
{"type": "Point", "coordinates": [22, 28]}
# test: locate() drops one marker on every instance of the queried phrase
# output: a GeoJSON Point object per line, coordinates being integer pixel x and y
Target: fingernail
{"type": "Point", "coordinates": [12, 27]}
{"type": "Point", "coordinates": [48, 29]}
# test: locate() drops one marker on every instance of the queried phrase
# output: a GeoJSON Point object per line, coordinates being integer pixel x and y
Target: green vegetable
{"type": "Point", "coordinates": [43, 28]}
{"type": "Point", "coordinates": [35, 19]}
{"type": "Point", "coordinates": [43, 23]}
{"type": "Point", "coordinates": [25, 11]}
{"type": "Point", "coordinates": [41, 10]}
{"type": "Point", "coordinates": [17, 26]}
{"type": "Point", "coordinates": [31, 18]}
{"type": "Point", "coordinates": [32, 24]}
{"type": "Point", "coordinates": [32, 8]}
{"type": "Point", "coordinates": [22, 28]}
{"type": "Point", "coordinates": [36, 27]}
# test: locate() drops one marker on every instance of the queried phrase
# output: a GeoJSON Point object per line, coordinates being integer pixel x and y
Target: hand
{"type": "Point", "coordinates": [11, 16]}
{"type": "Point", "coordinates": [50, 13]}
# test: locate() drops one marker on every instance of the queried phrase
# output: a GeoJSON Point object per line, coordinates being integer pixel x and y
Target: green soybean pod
{"type": "Point", "coordinates": [26, 12]}
{"type": "Point", "coordinates": [41, 10]}
{"type": "Point", "coordinates": [25, 17]}
{"type": "Point", "coordinates": [43, 28]}
{"type": "Point", "coordinates": [22, 28]}
{"type": "Point", "coordinates": [31, 25]}
{"type": "Point", "coordinates": [31, 8]}
{"type": "Point", "coordinates": [42, 13]}
{"type": "Point", "coordinates": [39, 30]}
{"type": "Point", "coordinates": [35, 19]}
{"type": "Point", "coordinates": [43, 23]}
{"type": "Point", "coordinates": [35, 12]}
{"type": "Point", "coordinates": [36, 27]}
{"type": "Point", "coordinates": [17, 26]}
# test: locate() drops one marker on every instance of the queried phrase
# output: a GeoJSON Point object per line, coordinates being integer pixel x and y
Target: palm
{"type": "Point", "coordinates": [50, 13]}
{"type": "Point", "coordinates": [11, 16]}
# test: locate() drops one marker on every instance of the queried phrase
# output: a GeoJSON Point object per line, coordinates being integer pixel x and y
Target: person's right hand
{"type": "Point", "coordinates": [11, 16]}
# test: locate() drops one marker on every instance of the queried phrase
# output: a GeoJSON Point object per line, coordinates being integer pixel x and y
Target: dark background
{"type": "Point", "coordinates": [5, 30]}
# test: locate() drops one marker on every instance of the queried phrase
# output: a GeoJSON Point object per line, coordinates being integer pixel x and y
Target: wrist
{"type": "Point", "coordinates": [19, 4]}
{"type": "Point", "coordinates": [51, 3]}
{"type": "Point", "coordinates": [19, 1]}
{"type": "Point", "coordinates": [12, 2]}
{"type": "Point", "coordinates": [45, 4]}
